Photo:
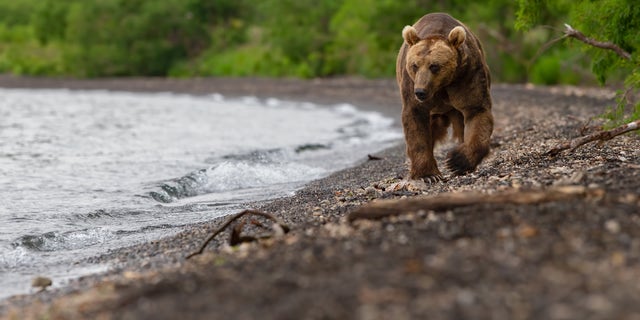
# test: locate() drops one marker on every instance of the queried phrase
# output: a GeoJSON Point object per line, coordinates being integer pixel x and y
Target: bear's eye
{"type": "Point", "coordinates": [414, 67]}
{"type": "Point", "coordinates": [434, 68]}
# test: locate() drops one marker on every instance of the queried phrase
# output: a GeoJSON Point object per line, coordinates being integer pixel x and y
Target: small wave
{"type": "Point", "coordinates": [234, 175]}
{"type": "Point", "coordinates": [52, 241]}
{"type": "Point", "coordinates": [10, 259]}
{"type": "Point", "coordinates": [108, 214]}
{"type": "Point", "coordinates": [187, 186]}
{"type": "Point", "coordinates": [268, 155]}
{"type": "Point", "coordinates": [240, 175]}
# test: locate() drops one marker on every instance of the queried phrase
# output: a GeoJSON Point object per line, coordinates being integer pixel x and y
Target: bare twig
{"type": "Point", "coordinates": [545, 47]}
{"type": "Point", "coordinates": [597, 136]}
{"type": "Point", "coordinates": [571, 32]}
{"type": "Point", "coordinates": [445, 201]}
{"type": "Point", "coordinates": [235, 233]}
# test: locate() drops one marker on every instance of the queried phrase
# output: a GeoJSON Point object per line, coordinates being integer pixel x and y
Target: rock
{"type": "Point", "coordinates": [41, 282]}
{"type": "Point", "coordinates": [612, 226]}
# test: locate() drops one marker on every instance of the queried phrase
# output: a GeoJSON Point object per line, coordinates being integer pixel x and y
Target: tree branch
{"type": "Point", "coordinates": [571, 32]}
{"type": "Point", "coordinates": [598, 136]}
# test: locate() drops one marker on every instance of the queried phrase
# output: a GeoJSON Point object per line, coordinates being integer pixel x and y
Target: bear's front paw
{"type": "Point", "coordinates": [458, 163]}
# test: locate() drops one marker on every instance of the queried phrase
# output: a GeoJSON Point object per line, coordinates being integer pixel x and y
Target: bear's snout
{"type": "Point", "coordinates": [420, 94]}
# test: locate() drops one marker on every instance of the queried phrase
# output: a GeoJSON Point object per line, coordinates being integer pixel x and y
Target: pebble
{"type": "Point", "coordinates": [449, 216]}
{"type": "Point", "coordinates": [370, 191]}
{"type": "Point", "coordinates": [465, 297]}
{"type": "Point", "coordinates": [612, 226]}
{"type": "Point", "coordinates": [527, 231]}
{"type": "Point", "coordinates": [41, 282]}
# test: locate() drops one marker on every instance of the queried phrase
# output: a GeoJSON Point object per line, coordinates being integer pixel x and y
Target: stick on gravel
{"type": "Point", "coordinates": [235, 233]}
{"type": "Point", "coordinates": [445, 201]}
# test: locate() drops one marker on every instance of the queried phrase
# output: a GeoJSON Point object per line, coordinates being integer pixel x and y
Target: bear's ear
{"type": "Point", "coordinates": [457, 36]}
{"type": "Point", "coordinates": [410, 35]}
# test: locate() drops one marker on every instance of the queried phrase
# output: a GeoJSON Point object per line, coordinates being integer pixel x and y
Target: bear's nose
{"type": "Point", "coordinates": [420, 94]}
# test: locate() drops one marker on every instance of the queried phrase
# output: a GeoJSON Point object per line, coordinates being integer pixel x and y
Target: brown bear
{"type": "Point", "coordinates": [444, 81]}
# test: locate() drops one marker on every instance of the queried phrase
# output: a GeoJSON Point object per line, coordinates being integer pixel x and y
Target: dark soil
{"type": "Point", "coordinates": [572, 259]}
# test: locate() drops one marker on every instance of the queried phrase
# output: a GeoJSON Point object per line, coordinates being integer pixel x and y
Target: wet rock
{"type": "Point", "coordinates": [41, 282]}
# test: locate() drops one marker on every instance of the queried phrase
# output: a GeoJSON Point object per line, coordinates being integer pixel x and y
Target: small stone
{"type": "Point", "coordinates": [618, 259]}
{"type": "Point", "coordinates": [403, 239]}
{"type": "Point", "coordinates": [598, 303]}
{"type": "Point", "coordinates": [278, 230]}
{"type": "Point", "coordinates": [612, 226]}
{"type": "Point", "coordinates": [338, 230]}
{"type": "Point", "coordinates": [527, 231]}
{"type": "Point", "coordinates": [503, 233]}
{"type": "Point", "coordinates": [465, 297]}
{"type": "Point", "coordinates": [370, 191]}
{"type": "Point", "coordinates": [41, 282]}
{"type": "Point", "coordinates": [449, 216]}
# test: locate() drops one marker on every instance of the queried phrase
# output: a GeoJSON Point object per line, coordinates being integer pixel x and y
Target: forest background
{"type": "Point", "coordinates": [302, 38]}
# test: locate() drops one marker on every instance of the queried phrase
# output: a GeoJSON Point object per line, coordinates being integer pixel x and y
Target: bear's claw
{"type": "Point", "coordinates": [433, 178]}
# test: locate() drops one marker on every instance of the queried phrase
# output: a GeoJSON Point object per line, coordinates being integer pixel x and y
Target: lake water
{"type": "Point", "coordinates": [82, 172]}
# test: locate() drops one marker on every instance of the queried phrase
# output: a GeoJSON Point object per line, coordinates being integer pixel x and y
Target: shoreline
{"type": "Point", "coordinates": [460, 263]}
{"type": "Point", "coordinates": [161, 85]}
{"type": "Point", "coordinates": [322, 92]}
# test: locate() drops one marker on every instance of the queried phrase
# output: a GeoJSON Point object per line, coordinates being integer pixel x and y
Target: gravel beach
{"type": "Point", "coordinates": [573, 256]}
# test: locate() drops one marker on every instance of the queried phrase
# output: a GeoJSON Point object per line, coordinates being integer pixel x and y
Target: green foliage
{"type": "Point", "coordinates": [290, 38]}
{"type": "Point", "coordinates": [616, 21]}
{"type": "Point", "coordinates": [113, 37]}
{"type": "Point", "coordinates": [146, 38]}
{"type": "Point", "coordinates": [246, 61]}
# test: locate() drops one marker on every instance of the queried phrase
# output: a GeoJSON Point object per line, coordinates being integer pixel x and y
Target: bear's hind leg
{"type": "Point", "coordinates": [477, 135]}
{"type": "Point", "coordinates": [439, 125]}
{"type": "Point", "coordinates": [457, 123]}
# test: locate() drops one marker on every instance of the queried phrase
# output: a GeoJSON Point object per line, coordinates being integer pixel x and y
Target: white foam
{"type": "Point", "coordinates": [240, 175]}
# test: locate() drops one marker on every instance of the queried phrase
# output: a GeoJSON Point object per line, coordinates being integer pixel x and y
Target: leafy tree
{"type": "Point", "coordinates": [617, 21]}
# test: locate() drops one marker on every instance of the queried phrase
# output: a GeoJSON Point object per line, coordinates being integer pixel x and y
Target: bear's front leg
{"type": "Point", "coordinates": [419, 140]}
{"type": "Point", "coordinates": [478, 126]}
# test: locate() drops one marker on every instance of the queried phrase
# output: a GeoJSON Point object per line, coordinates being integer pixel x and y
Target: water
{"type": "Point", "coordinates": [82, 172]}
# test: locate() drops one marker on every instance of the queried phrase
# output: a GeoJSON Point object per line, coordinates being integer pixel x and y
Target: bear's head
{"type": "Point", "coordinates": [432, 62]}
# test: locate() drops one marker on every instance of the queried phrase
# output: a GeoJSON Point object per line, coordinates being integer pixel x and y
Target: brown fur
{"type": "Point", "coordinates": [444, 81]}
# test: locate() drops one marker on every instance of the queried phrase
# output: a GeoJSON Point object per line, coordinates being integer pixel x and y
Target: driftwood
{"type": "Point", "coordinates": [446, 201]}
{"type": "Point", "coordinates": [236, 237]}
{"type": "Point", "coordinates": [598, 136]}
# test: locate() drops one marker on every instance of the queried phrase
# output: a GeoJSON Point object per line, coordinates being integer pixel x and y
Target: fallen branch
{"type": "Point", "coordinates": [446, 201]}
{"type": "Point", "coordinates": [236, 237]}
{"type": "Point", "coordinates": [571, 32]}
{"type": "Point", "coordinates": [597, 136]}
